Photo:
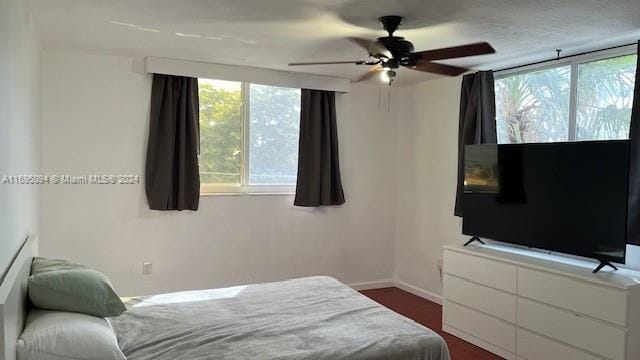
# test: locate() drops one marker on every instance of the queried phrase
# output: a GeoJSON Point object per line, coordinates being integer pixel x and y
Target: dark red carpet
{"type": "Point", "coordinates": [430, 315]}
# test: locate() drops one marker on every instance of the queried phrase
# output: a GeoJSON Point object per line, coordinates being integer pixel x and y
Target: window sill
{"type": "Point", "coordinates": [289, 193]}
{"type": "Point", "coordinates": [220, 194]}
{"type": "Point", "coordinates": [208, 190]}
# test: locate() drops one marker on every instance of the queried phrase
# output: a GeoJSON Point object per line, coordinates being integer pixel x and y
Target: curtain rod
{"type": "Point", "coordinates": [565, 57]}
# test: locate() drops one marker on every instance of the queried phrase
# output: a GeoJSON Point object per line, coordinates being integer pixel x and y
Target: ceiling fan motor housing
{"type": "Point", "coordinates": [400, 48]}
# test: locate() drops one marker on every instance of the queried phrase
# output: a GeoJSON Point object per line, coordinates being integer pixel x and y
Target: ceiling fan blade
{"type": "Point", "coordinates": [373, 71]}
{"type": "Point", "coordinates": [440, 69]}
{"type": "Point", "coordinates": [357, 62]}
{"type": "Point", "coordinates": [374, 48]}
{"type": "Point", "coordinates": [481, 48]}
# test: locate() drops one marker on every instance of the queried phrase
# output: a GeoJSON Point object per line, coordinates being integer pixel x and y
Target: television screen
{"type": "Point", "coordinates": [564, 197]}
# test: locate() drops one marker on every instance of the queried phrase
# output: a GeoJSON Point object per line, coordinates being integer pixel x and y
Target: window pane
{"type": "Point", "coordinates": [273, 133]}
{"type": "Point", "coordinates": [220, 131]}
{"type": "Point", "coordinates": [605, 97]}
{"type": "Point", "coordinates": [533, 107]}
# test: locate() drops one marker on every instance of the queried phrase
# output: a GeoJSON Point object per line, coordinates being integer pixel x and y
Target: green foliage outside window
{"type": "Point", "coordinates": [275, 128]}
{"type": "Point", "coordinates": [535, 106]}
{"type": "Point", "coordinates": [605, 98]}
{"type": "Point", "coordinates": [273, 133]}
{"type": "Point", "coordinates": [220, 132]}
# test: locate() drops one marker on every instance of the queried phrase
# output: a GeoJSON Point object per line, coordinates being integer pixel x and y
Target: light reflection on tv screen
{"type": "Point", "coordinates": [481, 170]}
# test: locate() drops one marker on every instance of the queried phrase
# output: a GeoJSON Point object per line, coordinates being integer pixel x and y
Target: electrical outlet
{"type": "Point", "coordinates": [147, 268]}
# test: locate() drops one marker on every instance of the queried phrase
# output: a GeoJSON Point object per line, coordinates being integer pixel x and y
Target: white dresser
{"type": "Point", "coordinates": [526, 305]}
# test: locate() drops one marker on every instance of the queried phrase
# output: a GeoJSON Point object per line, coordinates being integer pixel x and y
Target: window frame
{"type": "Point", "coordinates": [244, 188]}
{"type": "Point", "coordinates": [574, 62]}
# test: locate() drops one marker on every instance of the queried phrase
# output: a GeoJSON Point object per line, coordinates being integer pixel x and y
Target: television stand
{"type": "Point", "coordinates": [475, 238]}
{"type": "Point", "coordinates": [604, 263]}
{"type": "Point", "coordinates": [547, 295]}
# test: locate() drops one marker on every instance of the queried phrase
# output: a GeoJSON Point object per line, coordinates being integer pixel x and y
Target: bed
{"type": "Point", "coordinates": [13, 298]}
{"type": "Point", "coordinates": [307, 318]}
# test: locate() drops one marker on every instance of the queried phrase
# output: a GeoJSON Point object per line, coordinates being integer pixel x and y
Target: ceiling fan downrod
{"type": "Point", "coordinates": [391, 23]}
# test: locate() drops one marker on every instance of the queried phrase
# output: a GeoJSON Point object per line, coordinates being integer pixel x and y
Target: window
{"type": "Point", "coordinates": [533, 107]}
{"type": "Point", "coordinates": [248, 137]}
{"type": "Point", "coordinates": [605, 98]}
{"type": "Point", "coordinates": [220, 132]}
{"type": "Point", "coordinates": [273, 135]}
{"type": "Point", "coordinates": [587, 99]}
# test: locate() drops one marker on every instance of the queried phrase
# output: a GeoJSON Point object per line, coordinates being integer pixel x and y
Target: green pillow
{"type": "Point", "coordinates": [40, 265]}
{"type": "Point", "coordinates": [73, 288]}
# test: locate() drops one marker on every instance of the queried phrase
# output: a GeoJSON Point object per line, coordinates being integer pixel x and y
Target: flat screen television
{"type": "Point", "coordinates": [562, 197]}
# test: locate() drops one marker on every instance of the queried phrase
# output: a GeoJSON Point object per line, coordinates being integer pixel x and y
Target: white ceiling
{"type": "Point", "coordinates": [272, 33]}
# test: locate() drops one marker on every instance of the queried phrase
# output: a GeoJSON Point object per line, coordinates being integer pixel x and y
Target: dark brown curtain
{"type": "Point", "coordinates": [633, 212]}
{"type": "Point", "coordinates": [319, 182]}
{"type": "Point", "coordinates": [172, 177]}
{"type": "Point", "coordinates": [477, 120]}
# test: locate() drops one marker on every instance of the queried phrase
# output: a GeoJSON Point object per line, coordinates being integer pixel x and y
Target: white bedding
{"type": "Point", "coordinates": [308, 318]}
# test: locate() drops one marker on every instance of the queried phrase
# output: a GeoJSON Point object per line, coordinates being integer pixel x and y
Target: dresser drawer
{"type": "Point", "coordinates": [596, 301]}
{"type": "Point", "coordinates": [480, 270]}
{"type": "Point", "coordinates": [482, 298]}
{"type": "Point", "coordinates": [535, 347]}
{"type": "Point", "coordinates": [582, 332]}
{"type": "Point", "coordinates": [479, 325]}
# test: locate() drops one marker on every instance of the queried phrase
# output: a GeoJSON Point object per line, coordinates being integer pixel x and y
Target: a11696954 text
{"type": "Point", "coordinates": [92, 179]}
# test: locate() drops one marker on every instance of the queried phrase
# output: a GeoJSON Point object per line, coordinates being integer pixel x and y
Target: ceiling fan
{"type": "Point", "coordinates": [388, 53]}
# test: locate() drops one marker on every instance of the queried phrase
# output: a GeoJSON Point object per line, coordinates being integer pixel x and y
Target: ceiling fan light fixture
{"type": "Point", "coordinates": [388, 75]}
{"type": "Point", "coordinates": [385, 77]}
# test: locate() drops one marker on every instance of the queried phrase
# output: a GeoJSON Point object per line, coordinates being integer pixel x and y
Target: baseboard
{"type": "Point", "coordinates": [418, 291]}
{"type": "Point", "coordinates": [369, 285]}
{"type": "Point", "coordinates": [385, 283]}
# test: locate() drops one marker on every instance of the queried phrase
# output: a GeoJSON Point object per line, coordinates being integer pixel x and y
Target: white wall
{"type": "Point", "coordinates": [427, 140]}
{"type": "Point", "coordinates": [19, 126]}
{"type": "Point", "coordinates": [95, 121]}
{"type": "Point", "coordinates": [399, 173]}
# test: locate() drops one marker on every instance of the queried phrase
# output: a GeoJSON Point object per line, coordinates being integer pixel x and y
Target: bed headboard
{"type": "Point", "coordinates": [13, 298]}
